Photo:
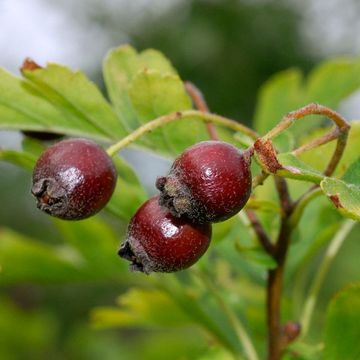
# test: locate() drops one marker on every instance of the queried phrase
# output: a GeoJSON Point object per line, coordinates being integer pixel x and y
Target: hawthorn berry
{"type": "Point", "coordinates": [157, 241]}
{"type": "Point", "coordinates": [73, 179]}
{"type": "Point", "coordinates": [209, 182]}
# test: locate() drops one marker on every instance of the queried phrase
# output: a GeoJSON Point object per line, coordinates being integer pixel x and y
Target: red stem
{"type": "Point", "coordinates": [199, 102]}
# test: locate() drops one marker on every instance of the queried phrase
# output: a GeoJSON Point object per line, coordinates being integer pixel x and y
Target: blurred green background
{"type": "Point", "coordinates": [228, 48]}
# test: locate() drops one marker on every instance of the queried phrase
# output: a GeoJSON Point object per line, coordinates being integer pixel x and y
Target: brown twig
{"type": "Point", "coordinates": [199, 102]}
{"type": "Point", "coordinates": [317, 109]}
{"type": "Point", "coordinates": [284, 195]}
{"type": "Point", "coordinates": [274, 291]}
{"type": "Point", "coordinates": [332, 135]}
{"type": "Point", "coordinates": [275, 276]}
{"type": "Point", "coordinates": [260, 232]}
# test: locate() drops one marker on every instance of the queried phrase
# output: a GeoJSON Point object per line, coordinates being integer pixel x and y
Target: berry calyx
{"type": "Point", "coordinates": [209, 182]}
{"type": "Point", "coordinates": [157, 241]}
{"type": "Point", "coordinates": [73, 179]}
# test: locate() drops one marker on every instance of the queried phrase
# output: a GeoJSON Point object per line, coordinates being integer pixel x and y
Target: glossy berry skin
{"type": "Point", "coordinates": [209, 182]}
{"type": "Point", "coordinates": [157, 241]}
{"type": "Point", "coordinates": [73, 179]}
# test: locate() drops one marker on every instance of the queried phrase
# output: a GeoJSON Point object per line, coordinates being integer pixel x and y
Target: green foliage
{"type": "Point", "coordinates": [342, 325]}
{"type": "Point", "coordinates": [183, 312]}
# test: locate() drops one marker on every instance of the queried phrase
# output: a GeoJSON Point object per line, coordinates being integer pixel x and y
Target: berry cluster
{"type": "Point", "coordinates": [209, 182]}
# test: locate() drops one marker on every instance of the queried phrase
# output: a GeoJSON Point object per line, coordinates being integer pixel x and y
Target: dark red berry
{"type": "Point", "coordinates": [73, 179]}
{"type": "Point", "coordinates": [158, 241]}
{"type": "Point", "coordinates": [209, 182]}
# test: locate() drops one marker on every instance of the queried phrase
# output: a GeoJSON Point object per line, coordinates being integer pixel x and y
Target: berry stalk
{"type": "Point", "coordinates": [176, 116]}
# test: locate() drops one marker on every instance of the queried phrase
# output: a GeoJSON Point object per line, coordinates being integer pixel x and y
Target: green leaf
{"type": "Point", "coordinates": [23, 259]}
{"type": "Point", "coordinates": [352, 175]}
{"type": "Point", "coordinates": [154, 94]}
{"type": "Point", "coordinates": [23, 107]}
{"type": "Point", "coordinates": [120, 66]}
{"type": "Point", "coordinates": [257, 256]}
{"type": "Point", "coordinates": [140, 307]}
{"type": "Point", "coordinates": [129, 193]}
{"type": "Point", "coordinates": [342, 330]}
{"type": "Point", "coordinates": [97, 244]}
{"type": "Point", "coordinates": [296, 169]}
{"type": "Point", "coordinates": [345, 194]}
{"type": "Point", "coordinates": [318, 157]}
{"type": "Point", "coordinates": [279, 95]}
{"type": "Point", "coordinates": [332, 81]}
{"type": "Point", "coordinates": [78, 99]}
{"type": "Point", "coordinates": [155, 60]}
{"type": "Point", "coordinates": [24, 160]}
{"type": "Point", "coordinates": [32, 146]}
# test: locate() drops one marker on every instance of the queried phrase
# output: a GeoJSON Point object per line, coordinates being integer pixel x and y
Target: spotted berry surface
{"type": "Point", "coordinates": [73, 179]}
{"type": "Point", "coordinates": [208, 182]}
{"type": "Point", "coordinates": [157, 241]}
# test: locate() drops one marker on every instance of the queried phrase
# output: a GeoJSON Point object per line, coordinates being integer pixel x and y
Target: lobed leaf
{"type": "Point", "coordinates": [78, 99]}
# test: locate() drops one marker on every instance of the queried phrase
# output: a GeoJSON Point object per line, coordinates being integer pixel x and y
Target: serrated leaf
{"type": "Point", "coordinates": [279, 95]}
{"type": "Point", "coordinates": [154, 94]}
{"type": "Point", "coordinates": [345, 195]}
{"type": "Point", "coordinates": [23, 259]}
{"type": "Point", "coordinates": [342, 330]}
{"type": "Point", "coordinates": [23, 107]}
{"type": "Point", "coordinates": [76, 97]}
{"type": "Point", "coordinates": [120, 66]}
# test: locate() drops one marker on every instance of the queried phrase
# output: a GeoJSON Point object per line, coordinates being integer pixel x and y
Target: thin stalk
{"type": "Point", "coordinates": [320, 275]}
{"type": "Point", "coordinates": [259, 179]}
{"type": "Point", "coordinates": [200, 104]}
{"type": "Point", "coordinates": [238, 327]}
{"type": "Point", "coordinates": [260, 232]}
{"type": "Point", "coordinates": [275, 276]}
{"type": "Point", "coordinates": [274, 291]}
{"type": "Point", "coordinates": [330, 136]}
{"type": "Point", "coordinates": [180, 116]}
{"type": "Point", "coordinates": [316, 109]}
{"type": "Point", "coordinates": [301, 204]}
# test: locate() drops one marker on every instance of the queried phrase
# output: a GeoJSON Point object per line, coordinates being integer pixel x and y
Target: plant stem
{"type": "Point", "coordinates": [275, 276]}
{"type": "Point", "coordinates": [259, 179]}
{"type": "Point", "coordinates": [274, 290]}
{"type": "Point", "coordinates": [329, 256]}
{"type": "Point", "coordinates": [260, 232]}
{"type": "Point", "coordinates": [316, 109]}
{"type": "Point", "coordinates": [180, 116]}
{"type": "Point", "coordinates": [240, 331]}
{"type": "Point", "coordinates": [302, 202]}
{"type": "Point", "coordinates": [200, 104]}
